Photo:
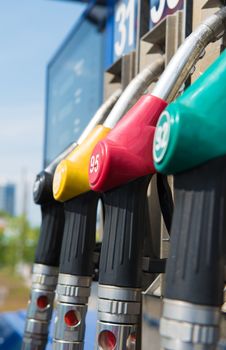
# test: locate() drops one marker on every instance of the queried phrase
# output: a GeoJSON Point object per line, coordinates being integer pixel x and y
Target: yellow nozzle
{"type": "Point", "coordinates": [71, 175]}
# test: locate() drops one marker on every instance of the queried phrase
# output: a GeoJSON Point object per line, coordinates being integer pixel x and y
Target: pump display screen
{"type": "Point", "coordinates": [74, 88]}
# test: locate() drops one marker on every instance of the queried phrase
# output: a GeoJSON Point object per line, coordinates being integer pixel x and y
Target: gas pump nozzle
{"type": "Point", "coordinates": [190, 142]}
{"type": "Point", "coordinates": [76, 264]}
{"type": "Point", "coordinates": [46, 266]}
{"type": "Point", "coordinates": [124, 155]}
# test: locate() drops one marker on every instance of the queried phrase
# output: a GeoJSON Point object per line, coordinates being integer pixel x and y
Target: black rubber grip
{"type": "Point", "coordinates": [123, 239]}
{"type": "Point", "coordinates": [50, 240]}
{"type": "Point", "coordinates": [79, 235]}
{"type": "Point", "coordinates": [195, 265]}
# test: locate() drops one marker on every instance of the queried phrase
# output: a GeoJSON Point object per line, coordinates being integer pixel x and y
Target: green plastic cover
{"type": "Point", "coordinates": [192, 130]}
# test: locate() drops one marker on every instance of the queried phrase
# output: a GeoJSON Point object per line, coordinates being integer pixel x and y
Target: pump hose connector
{"type": "Point", "coordinates": [195, 326]}
{"type": "Point", "coordinates": [72, 299]}
{"type": "Point", "coordinates": [118, 317]}
{"type": "Point", "coordinates": [40, 306]}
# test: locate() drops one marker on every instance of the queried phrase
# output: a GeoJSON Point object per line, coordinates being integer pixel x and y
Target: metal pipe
{"type": "Point", "coordinates": [98, 118]}
{"type": "Point", "coordinates": [177, 70]}
{"type": "Point", "coordinates": [134, 90]}
{"type": "Point", "coordinates": [101, 114]}
{"type": "Point", "coordinates": [52, 166]}
{"type": "Point", "coordinates": [188, 54]}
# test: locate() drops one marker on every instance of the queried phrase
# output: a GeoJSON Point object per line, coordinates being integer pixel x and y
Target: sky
{"type": "Point", "coordinates": [30, 33]}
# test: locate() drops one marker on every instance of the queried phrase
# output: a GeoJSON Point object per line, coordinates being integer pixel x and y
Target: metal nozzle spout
{"type": "Point", "coordinates": [134, 90]}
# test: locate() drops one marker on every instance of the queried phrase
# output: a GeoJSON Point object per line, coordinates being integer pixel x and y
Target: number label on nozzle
{"type": "Point", "coordinates": [94, 163]}
{"type": "Point", "coordinates": [161, 139]}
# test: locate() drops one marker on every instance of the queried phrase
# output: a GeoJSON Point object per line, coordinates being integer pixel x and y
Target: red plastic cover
{"type": "Point", "coordinates": [126, 153]}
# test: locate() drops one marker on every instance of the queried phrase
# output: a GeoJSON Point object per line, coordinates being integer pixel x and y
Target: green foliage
{"type": "Point", "coordinates": [18, 240]}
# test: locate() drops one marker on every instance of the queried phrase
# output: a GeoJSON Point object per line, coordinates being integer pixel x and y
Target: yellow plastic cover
{"type": "Point", "coordinates": [71, 175]}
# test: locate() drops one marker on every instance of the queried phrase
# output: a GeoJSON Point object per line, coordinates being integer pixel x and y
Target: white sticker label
{"type": "Point", "coordinates": [94, 164]}
{"type": "Point", "coordinates": [161, 139]}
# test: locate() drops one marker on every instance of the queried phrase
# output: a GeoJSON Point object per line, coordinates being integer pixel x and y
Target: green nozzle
{"type": "Point", "coordinates": [192, 130]}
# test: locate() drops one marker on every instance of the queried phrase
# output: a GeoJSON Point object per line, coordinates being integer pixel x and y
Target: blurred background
{"type": "Point", "coordinates": [30, 33]}
{"type": "Point", "coordinates": [59, 59]}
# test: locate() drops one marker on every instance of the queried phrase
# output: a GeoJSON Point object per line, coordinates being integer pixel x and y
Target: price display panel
{"type": "Point", "coordinates": [74, 87]}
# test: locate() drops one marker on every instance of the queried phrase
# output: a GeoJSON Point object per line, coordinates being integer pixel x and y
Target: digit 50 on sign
{"type": "Point", "coordinates": [160, 9]}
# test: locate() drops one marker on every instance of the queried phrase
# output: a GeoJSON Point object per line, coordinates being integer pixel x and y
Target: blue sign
{"type": "Point", "coordinates": [125, 27]}
{"type": "Point", "coordinates": [160, 9]}
{"type": "Point", "coordinates": [74, 87]}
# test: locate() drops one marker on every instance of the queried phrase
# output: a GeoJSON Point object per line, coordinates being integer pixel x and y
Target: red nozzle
{"type": "Point", "coordinates": [126, 153]}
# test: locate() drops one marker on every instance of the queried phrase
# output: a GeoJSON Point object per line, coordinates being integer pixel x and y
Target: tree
{"type": "Point", "coordinates": [18, 240]}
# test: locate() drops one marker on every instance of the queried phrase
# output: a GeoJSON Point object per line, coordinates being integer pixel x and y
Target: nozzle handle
{"type": "Point", "coordinates": [123, 239]}
{"type": "Point", "coordinates": [50, 239]}
{"type": "Point", "coordinates": [79, 235]}
{"type": "Point", "coordinates": [195, 267]}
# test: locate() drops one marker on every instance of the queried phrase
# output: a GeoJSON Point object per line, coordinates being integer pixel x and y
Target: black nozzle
{"type": "Point", "coordinates": [49, 244]}
{"type": "Point", "coordinates": [79, 235]}
{"type": "Point", "coordinates": [42, 189]}
{"type": "Point", "coordinates": [195, 267]}
{"type": "Point", "coordinates": [123, 239]}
